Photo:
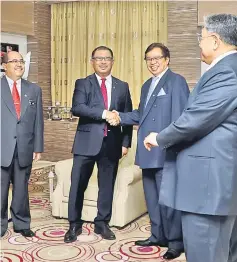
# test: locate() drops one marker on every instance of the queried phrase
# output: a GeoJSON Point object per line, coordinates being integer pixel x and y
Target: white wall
{"type": "Point", "coordinates": [20, 40]}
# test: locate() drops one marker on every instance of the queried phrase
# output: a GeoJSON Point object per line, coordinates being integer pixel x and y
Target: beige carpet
{"type": "Point", "coordinates": [48, 245]}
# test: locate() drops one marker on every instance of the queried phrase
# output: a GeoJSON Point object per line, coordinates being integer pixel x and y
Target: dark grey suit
{"type": "Point", "coordinates": [204, 186]}
{"type": "Point", "coordinates": [159, 112]}
{"type": "Point", "coordinates": [19, 139]}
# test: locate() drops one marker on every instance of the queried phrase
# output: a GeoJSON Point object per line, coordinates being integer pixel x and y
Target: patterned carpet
{"type": "Point", "coordinates": [48, 245]}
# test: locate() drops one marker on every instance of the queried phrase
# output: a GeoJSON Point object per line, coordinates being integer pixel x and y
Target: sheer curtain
{"type": "Point", "coordinates": [127, 27]}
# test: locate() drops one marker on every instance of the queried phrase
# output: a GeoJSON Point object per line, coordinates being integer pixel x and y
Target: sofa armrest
{"type": "Point", "coordinates": [128, 175]}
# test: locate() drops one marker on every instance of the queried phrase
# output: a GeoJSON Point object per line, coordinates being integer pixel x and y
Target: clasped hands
{"type": "Point", "coordinates": [112, 117]}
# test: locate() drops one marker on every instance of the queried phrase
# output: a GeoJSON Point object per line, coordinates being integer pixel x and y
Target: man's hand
{"type": "Point", "coordinates": [124, 151]}
{"type": "Point", "coordinates": [112, 118]}
{"type": "Point", "coordinates": [36, 156]}
{"type": "Point", "coordinates": [150, 141]}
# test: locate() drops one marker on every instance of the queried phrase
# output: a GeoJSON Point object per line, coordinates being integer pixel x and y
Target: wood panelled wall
{"type": "Point", "coordinates": [182, 40]}
{"type": "Point", "coordinates": [39, 45]}
{"type": "Point", "coordinates": [17, 17]}
{"type": "Point", "coordinates": [215, 7]}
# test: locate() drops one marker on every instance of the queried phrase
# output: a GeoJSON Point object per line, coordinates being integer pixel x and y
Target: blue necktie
{"type": "Point", "coordinates": [151, 89]}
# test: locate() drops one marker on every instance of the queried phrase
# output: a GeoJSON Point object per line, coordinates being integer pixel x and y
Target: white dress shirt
{"type": "Point", "coordinates": [219, 58]}
{"type": "Point", "coordinates": [154, 83]}
{"type": "Point", "coordinates": [108, 84]}
{"type": "Point", "coordinates": [18, 85]}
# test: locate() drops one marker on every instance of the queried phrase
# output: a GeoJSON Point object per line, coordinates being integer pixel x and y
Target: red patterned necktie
{"type": "Point", "coordinates": [16, 100]}
{"type": "Point", "coordinates": [105, 96]}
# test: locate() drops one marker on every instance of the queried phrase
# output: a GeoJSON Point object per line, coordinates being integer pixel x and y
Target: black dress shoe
{"type": "Point", "coordinates": [147, 243]}
{"type": "Point", "coordinates": [72, 234]}
{"type": "Point", "coordinates": [25, 232]}
{"type": "Point", "coordinates": [172, 253]}
{"type": "Point", "coordinates": [105, 232]}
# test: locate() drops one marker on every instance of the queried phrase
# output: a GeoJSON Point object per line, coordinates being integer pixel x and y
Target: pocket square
{"type": "Point", "coordinates": [162, 92]}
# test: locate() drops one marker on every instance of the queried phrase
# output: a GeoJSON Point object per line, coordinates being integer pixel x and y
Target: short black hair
{"type": "Point", "coordinates": [165, 50]}
{"type": "Point", "coordinates": [102, 48]}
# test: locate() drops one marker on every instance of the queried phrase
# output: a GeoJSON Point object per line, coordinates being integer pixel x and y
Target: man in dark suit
{"type": "Point", "coordinates": [206, 134]}
{"type": "Point", "coordinates": [163, 98]}
{"type": "Point", "coordinates": [21, 140]}
{"type": "Point", "coordinates": [96, 141]}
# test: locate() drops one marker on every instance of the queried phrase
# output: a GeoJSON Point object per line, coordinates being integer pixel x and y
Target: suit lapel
{"type": "Point", "coordinates": [96, 85]}
{"type": "Point", "coordinates": [154, 95]}
{"type": "Point", "coordinates": [7, 96]}
{"type": "Point", "coordinates": [24, 96]}
{"type": "Point", "coordinates": [114, 90]}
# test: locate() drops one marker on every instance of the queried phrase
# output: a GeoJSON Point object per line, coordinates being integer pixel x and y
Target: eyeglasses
{"type": "Point", "coordinates": [200, 37]}
{"type": "Point", "coordinates": [101, 58]}
{"type": "Point", "coordinates": [156, 59]}
{"type": "Point", "coordinates": [15, 62]}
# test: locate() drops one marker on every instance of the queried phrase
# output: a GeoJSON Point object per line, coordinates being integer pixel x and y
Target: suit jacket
{"type": "Point", "coordinates": [88, 104]}
{"type": "Point", "coordinates": [27, 132]}
{"type": "Point", "coordinates": [205, 181]}
{"type": "Point", "coordinates": [159, 112]}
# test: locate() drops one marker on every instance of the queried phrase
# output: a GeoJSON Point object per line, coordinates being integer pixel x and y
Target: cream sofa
{"type": "Point", "coordinates": [128, 201]}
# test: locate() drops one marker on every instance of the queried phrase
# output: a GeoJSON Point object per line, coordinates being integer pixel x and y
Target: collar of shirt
{"type": "Point", "coordinates": [157, 78]}
{"type": "Point", "coordinates": [219, 58]}
{"type": "Point", "coordinates": [11, 82]}
{"type": "Point", "coordinates": [108, 81]}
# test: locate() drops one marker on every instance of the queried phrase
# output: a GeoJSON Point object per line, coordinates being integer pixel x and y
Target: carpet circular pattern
{"type": "Point", "coordinates": [57, 253]}
{"type": "Point", "coordinates": [11, 255]}
{"type": "Point", "coordinates": [128, 248]}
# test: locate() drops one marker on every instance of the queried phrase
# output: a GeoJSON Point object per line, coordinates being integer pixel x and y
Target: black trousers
{"type": "Point", "coordinates": [20, 209]}
{"type": "Point", "coordinates": [81, 172]}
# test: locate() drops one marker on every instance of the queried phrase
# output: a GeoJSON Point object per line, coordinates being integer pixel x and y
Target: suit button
{"type": "Point", "coordinates": [154, 105]}
{"type": "Point", "coordinates": [18, 122]}
{"type": "Point", "coordinates": [153, 119]}
{"type": "Point", "coordinates": [15, 137]}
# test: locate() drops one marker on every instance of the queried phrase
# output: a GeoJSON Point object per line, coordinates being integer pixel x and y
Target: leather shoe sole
{"type": "Point", "coordinates": [148, 243]}
{"type": "Point", "coordinates": [72, 236]}
{"type": "Point", "coordinates": [25, 232]}
{"type": "Point", "coordinates": [109, 235]}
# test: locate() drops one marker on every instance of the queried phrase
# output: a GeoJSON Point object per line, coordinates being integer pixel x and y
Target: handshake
{"type": "Point", "coordinates": [112, 117]}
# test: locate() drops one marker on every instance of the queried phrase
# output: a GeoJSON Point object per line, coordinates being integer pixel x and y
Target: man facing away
{"type": "Point", "coordinates": [206, 135]}
{"type": "Point", "coordinates": [21, 140]}
{"type": "Point", "coordinates": [97, 142]}
{"type": "Point", "coordinates": [163, 98]}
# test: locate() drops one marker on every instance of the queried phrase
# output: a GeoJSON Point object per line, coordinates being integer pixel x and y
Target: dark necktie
{"type": "Point", "coordinates": [105, 97]}
{"type": "Point", "coordinates": [16, 100]}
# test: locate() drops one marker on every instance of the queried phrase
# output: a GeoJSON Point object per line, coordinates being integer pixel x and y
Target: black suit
{"type": "Point", "coordinates": [91, 146]}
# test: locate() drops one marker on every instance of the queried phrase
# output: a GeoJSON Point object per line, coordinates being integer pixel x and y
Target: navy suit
{"type": "Point", "coordinates": [91, 146]}
{"type": "Point", "coordinates": [159, 112]}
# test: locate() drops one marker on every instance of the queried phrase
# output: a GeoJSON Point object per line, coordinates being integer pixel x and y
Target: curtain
{"type": "Point", "coordinates": [127, 27]}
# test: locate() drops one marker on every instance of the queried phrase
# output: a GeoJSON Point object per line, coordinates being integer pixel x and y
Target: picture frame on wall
{"type": "Point", "coordinates": [7, 47]}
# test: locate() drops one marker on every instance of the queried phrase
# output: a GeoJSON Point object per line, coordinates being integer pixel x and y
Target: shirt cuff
{"type": "Point", "coordinates": [104, 114]}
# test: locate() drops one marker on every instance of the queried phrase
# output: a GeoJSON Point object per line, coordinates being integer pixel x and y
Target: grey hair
{"type": "Point", "coordinates": [225, 25]}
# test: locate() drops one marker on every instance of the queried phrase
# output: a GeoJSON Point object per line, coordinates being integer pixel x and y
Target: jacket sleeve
{"type": "Point", "coordinates": [80, 101]}
{"type": "Point", "coordinates": [214, 103]}
{"type": "Point", "coordinates": [39, 125]}
{"type": "Point", "coordinates": [180, 94]}
{"type": "Point", "coordinates": [127, 130]}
